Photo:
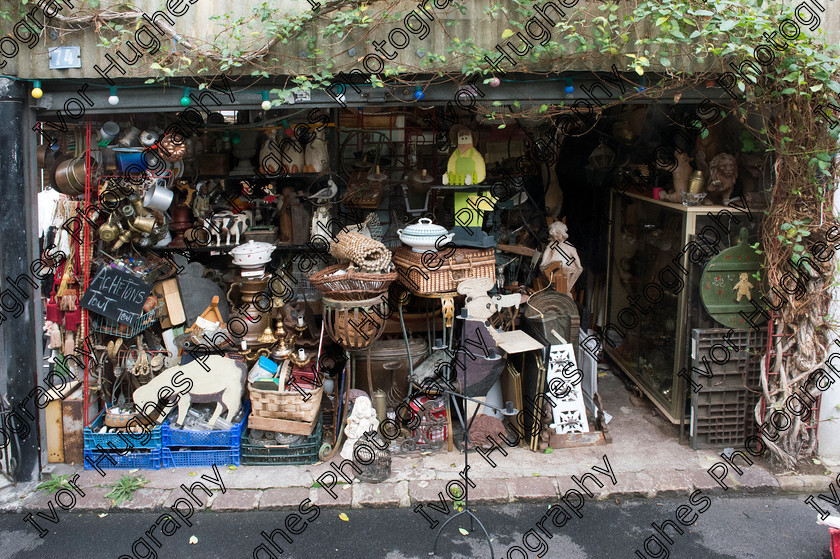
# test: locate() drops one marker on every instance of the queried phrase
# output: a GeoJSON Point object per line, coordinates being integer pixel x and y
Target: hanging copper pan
{"type": "Point", "coordinates": [70, 175]}
{"type": "Point", "coordinates": [51, 171]}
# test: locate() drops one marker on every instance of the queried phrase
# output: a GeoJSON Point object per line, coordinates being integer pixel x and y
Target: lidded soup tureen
{"type": "Point", "coordinates": [252, 257]}
{"type": "Point", "coordinates": [425, 236]}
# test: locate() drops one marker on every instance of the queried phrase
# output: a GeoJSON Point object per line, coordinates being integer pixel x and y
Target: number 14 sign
{"type": "Point", "coordinates": [62, 58]}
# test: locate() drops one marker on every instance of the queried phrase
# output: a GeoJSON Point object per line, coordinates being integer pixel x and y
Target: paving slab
{"type": "Point", "coordinates": [791, 484]}
{"type": "Point", "coordinates": [533, 489]}
{"type": "Point", "coordinates": [756, 479]}
{"type": "Point", "coordinates": [94, 499]}
{"type": "Point", "coordinates": [264, 477]}
{"type": "Point", "coordinates": [283, 498]}
{"type": "Point", "coordinates": [237, 500]}
{"type": "Point", "coordinates": [178, 493]}
{"type": "Point", "coordinates": [343, 496]}
{"type": "Point", "coordinates": [146, 499]}
{"type": "Point", "coordinates": [628, 484]}
{"type": "Point", "coordinates": [380, 495]}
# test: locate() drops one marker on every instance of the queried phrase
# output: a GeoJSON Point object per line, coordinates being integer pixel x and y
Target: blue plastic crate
{"type": "Point", "coordinates": [145, 459]}
{"type": "Point", "coordinates": [119, 440]}
{"type": "Point", "coordinates": [189, 456]}
{"type": "Point", "coordinates": [172, 436]}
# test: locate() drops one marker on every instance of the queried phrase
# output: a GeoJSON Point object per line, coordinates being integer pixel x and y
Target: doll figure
{"type": "Point", "coordinates": [466, 165]}
{"type": "Point", "coordinates": [743, 287]}
{"type": "Point", "coordinates": [562, 251]}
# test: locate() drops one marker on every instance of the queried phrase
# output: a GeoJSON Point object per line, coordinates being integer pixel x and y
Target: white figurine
{"type": "Point", "coordinates": [317, 156]}
{"type": "Point", "coordinates": [362, 419]}
{"type": "Point", "coordinates": [562, 251]}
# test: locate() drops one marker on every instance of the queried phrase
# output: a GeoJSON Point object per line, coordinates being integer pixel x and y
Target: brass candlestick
{"type": "Point", "coordinates": [251, 355]}
{"type": "Point", "coordinates": [282, 350]}
{"type": "Point", "coordinates": [300, 330]}
{"type": "Point", "coordinates": [300, 358]}
{"type": "Point", "coordinates": [267, 337]}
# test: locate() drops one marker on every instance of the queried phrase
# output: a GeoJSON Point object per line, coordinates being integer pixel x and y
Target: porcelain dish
{"type": "Point", "coordinates": [425, 236]}
{"type": "Point", "coordinates": [252, 255]}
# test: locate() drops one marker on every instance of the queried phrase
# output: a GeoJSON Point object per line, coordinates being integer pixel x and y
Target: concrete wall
{"type": "Point", "coordinates": [474, 24]}
{"type": "Point", "coordinates": [828, 435]}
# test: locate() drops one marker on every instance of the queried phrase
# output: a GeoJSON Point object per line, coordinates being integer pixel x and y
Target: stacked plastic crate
{"type": "Point", "coordinates": [123, 449]}
{"type": "Point", "coordinates": [189, 448]}
{"type": "Point", "coordinates": [722, 410]}
{"type": "Point", "coordinates": [258, 451]}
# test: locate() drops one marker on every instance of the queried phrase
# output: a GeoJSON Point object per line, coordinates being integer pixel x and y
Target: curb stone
{"type": "Point", "coordinates": [401, 493]}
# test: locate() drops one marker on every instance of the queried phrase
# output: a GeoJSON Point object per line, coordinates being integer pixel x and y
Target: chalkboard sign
{"type": "Point", "coordinates": [116, 294]}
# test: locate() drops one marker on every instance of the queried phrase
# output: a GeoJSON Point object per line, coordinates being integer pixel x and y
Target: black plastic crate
{"type": "Point", "coordinates": [718, 417]}
{"type": "Point", "coordinates": [294, 454]}
{"type": "Point", "coordinates": [732, 368]}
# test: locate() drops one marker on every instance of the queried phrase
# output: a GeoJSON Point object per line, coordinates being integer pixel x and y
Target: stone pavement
{"type": "Point", "coordinates": [645, 456]}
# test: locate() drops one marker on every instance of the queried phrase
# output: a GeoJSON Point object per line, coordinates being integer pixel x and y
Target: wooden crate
{"type": "Point", "coordinates": [282, 425]}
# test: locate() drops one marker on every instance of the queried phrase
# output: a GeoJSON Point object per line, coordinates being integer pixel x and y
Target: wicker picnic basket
{"type": "Point", "coordinates": [441, 272]}
{"type": "Point", "coordinates": [285, 404]}
{"type": "Point", "coordinates": [354, 285]}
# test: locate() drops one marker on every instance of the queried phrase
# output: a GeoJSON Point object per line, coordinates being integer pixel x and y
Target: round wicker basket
{"type": "Point", "coordinates": [351, 286]}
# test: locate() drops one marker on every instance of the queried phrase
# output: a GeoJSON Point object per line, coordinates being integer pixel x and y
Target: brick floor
{"type": "Point", "coordinates": [237, 499]}
{"type": "Point", "coordinates": [283, 498]}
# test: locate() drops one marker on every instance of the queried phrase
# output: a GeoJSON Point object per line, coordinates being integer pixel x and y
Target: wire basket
{"type": "Point", "coordinates": [352, 286]}
{"type": "Point", "coordinates": [105, 325]}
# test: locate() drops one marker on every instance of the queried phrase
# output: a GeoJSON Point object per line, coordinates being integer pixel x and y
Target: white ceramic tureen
{"type": "Point", "coordinates": [425, 236]}
{"type": "Point", "coordinates": [252, 257]}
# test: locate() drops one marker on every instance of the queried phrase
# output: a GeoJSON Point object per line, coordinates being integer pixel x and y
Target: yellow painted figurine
{"type": "Point", "coordinates": [466, 165]}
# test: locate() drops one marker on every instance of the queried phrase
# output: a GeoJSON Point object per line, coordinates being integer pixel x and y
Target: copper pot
{"type": "Point", "coordinates": [70, 175]}
{"type": "Point", "coordinates": [172, 150]}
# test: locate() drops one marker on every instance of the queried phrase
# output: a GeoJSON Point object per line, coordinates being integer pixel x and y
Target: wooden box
{"type": "Point", "coordinates": [282, 425]}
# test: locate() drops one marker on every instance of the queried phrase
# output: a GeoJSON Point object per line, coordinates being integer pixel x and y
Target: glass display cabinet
{"type": "Point", "coordinates": [652, 288]}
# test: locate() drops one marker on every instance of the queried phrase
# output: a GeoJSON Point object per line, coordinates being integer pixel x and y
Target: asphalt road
{"type": "Point", "coordinates": [729, 527]}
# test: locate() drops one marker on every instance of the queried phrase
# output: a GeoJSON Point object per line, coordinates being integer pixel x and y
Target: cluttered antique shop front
{"type": "Point", "coordinates": [231, 280]}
